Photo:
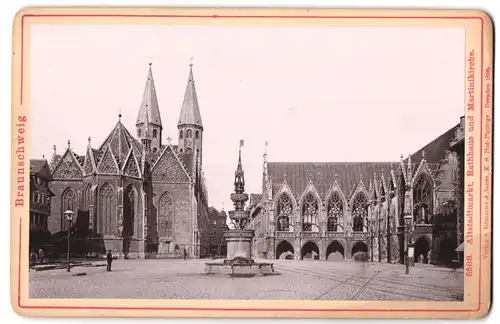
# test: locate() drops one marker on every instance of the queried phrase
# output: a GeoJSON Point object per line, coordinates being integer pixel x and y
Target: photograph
{"type": "Point", "coordinates": [227, 160]}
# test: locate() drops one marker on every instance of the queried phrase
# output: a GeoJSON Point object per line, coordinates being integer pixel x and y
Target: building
{"type": "Point", "coordinates": [216, 229]}
{"type": "Point", "coordinates": [40, 198]}
{"type": "Point", "coordinates": [137, 195]}
{"type": "Point", "coordinates": [341, 210]}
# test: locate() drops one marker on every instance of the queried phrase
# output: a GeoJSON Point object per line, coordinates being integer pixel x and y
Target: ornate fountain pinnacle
{"type": "Point", "coordinates": [239, 197]}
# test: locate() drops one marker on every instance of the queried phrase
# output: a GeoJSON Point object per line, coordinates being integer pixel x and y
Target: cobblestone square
{"type": "Point", "coordinates": [297, 280]}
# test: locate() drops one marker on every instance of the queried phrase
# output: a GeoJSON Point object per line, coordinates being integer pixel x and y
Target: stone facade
{"type": "Point", "coordinates": [342, 210]}
{"type": "Point", "coordinates": [216, 228]}
{"type": "Point", "coordinates": [137, 196]}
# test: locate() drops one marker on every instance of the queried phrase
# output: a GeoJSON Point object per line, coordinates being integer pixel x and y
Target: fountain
{"type": "Point", "coordinates": [239, 260]}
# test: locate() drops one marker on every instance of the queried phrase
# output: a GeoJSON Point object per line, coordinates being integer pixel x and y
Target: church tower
{"type": "Point", "coordinates": [190, 127]}
{"type": "Point", "coordinates": [149, 127]}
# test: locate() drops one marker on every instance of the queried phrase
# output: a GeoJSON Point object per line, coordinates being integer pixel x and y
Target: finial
{"type": "Point", "coordinates": [310, 176]}
{"type": "Point", "coordinates": [222, 206]}
{"type": "Point", "coordinates": [423, 154]}
{"type": "Point", "coordinates": [89, 139]}
{"type": "Point", "coordinates": [169, 139]}
{"type": "Point", "coordinates": [43, 156]}
{"type": "Point", "coordinates": [69, 144]}
{"type": "Point", "coordinates": [402, 156]}
{"type": "Point", "coordinates": [284, 176]}
{"type": "Point", "coordinates": [150, 63]}
{"type": "Point", "coordinates": [54, 147]}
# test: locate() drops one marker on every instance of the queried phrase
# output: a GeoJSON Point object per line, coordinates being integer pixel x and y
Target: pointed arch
{"type": "Point", "coordinates": [107, 212]}
{"type": "Point", "coordinates": [166, 215]}
{"type": "Point", "coordinates": [423, 200]}
{"type": "Point", "coordinates": [359, 212]}
{"type": "Point", "coordinates": [69, 201]}
{"type": "Point", "coordinates": [284, 212]}
{"type": "Point", "coordinates": [335, 212]}
{"type": "Point", "coordinates": [130, 211]}
{"type": "Point", "coordinates": [87, 197]}
{"type": "Point", "coordinates": [310, 212]}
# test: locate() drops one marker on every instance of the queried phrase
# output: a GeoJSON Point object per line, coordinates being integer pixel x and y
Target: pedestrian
{"type": "Point", "coordinates": [109, 259]}
{"type": "Point", "coordinates": [185, 254]}
{"type": "Point", "coordinates": [32, 259]}
{"type": "Point", "coordinates": [41, 255]}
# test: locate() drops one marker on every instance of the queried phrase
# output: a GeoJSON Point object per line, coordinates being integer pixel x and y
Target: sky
{"type": "Point", "coordinates": [315, 94]}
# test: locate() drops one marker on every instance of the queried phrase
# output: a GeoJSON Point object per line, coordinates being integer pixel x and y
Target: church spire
{"type": "Point", "coordinates": [149, 126]}
{"type": "Point", "coordinates": [190, 111]}
{"type": "Point", "coordinates": [239, 175]}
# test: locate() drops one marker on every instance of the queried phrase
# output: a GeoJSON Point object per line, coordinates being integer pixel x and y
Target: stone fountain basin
{"type": "Point", "coordinates": [239, 267]}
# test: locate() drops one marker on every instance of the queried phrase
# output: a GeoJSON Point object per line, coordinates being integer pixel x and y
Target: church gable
{"type": "Point", "coordinates": [108, 163]}
{"type": "Point", "coordinates": [68, 168]}
{"type": "Point", "coordinates": [89, 164]}
{"type": "Point", "coordinates": [131, 167]}
{"type": "Point", "coordinates": [168, 168]}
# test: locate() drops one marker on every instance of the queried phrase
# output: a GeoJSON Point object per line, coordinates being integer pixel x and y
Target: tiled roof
{"type": "Point", "coordinates": [190, 111]}
{"type": "Point", "coordinates": [121, 141]}
{"type": "Point", "coordinates": [149, 112]}
{"type": "Point", "coordinates": [41, 168]}
{"type": "Point", "coordinates": [323, 175]}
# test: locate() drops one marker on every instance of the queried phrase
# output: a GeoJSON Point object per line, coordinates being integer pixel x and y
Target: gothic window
{"type": "Point", "coordinates": [87, 198]}
{"type": "Point", "coordinates": [181, 150]}
{"type": "Point", "coordinates": [188, 150]}
{"type": "Point", "coordinates": [181, 134]}
{"type": "Point", "coordinates": [359, 212]}
{"type": "Point", "coordinates": [155, 150]}
{"type": "Point", "coordinates": [189, 133]}
{"type": "Point", "coordinates": [155, 133]}
{"type": "Point", "coordinates": [310, 209]}
{"type": "Point", "coordinates": [129, 212]}
{"type": "Point", "coordinates": [284, 209]}
{"type": "Point", "coordinates": [139, 133]}
{"type": "Point", "coordinates": [166, 215]}
{"type": "Point", "coordinates": [422, 198]}
{"type": "Point", "coordinates": [197, 134]}
{"type": "Point", "coordinates": [335, 210]}
{"type": "Point", "coordinates": [69, 202]}
{"type": "Point", "coordinates": [401, 198]}
{"type": "Point", "coordinates": [107, 213]}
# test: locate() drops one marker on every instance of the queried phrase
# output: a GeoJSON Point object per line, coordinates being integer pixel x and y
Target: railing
{"type": "Point", "coordinates": [44, 208]}
{"type": "Point", "coordinates": [284, 234]}
{"type": "Point", "coordinates": [360, 235]}
{"type": "Point", "coordinates": [335, 234]}
{"type": "Point", "coordinates": [310, 234]}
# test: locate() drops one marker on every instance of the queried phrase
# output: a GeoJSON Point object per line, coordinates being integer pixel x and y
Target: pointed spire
{"type": "Point", "coordinates": [43, 156]}
{"type": "Point", "coordinates": [190, 111]}
{"type": "Point", "coordinates": [69, 145]}
{"type": "Point", "coordinates": [239, 176]}
{"type": "Point", "coordinates": [149, 112]}
{"type": "Point", "coordinates": [423, 155]}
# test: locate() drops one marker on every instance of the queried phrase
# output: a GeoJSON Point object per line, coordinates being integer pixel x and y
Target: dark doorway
{"type": "Point", "coordinates": [284, 250]}
{"type": "Point", "coordinates": [422, 248]}
{"type": "Point", "coordinates": [310, 251]}
{"type": "Point", "coordinates": [359, 252]}
{"type": "Point", "coordinates": [335, 252]}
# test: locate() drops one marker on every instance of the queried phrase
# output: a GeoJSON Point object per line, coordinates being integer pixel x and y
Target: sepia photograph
{"type": "Point", "coordinates": [246, 162]}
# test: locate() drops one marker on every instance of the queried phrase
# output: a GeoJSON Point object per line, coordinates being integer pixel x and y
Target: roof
{"type": "Point", "coordinates": [254, 199]}
{"type": "Point", "coordinates": [149, 112]}
{"type": "Point", "coordinates": [190, 111]}
{"type": "Point", "coordinates": [41, 168]}
{"type": "Point", "coordinates": [434, 151]}
{"type": "Point", "coordinates": [120, 141]}
{"type": "Point", "coordinates": [324, 175]}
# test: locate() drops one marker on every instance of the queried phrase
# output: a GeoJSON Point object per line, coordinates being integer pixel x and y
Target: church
{"type": "Point", "coordinates": [347, 210]}
{"type": "Point", "coordinates": [134, 194]}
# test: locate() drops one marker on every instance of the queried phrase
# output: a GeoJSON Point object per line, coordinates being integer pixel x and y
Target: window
{"type": "Point", "coordinates": [139, 133]}
{"type": "Point", "coordinates": [189, 133]}
{"type": "Point", "coordinates": [108, 210]}
{"type": "Point", "coordinates": [68, 203]}
{"type": "Point", "coordinates": [284, 209]}
{"type": "Point", "coordinates": [181, 150]}
{"type": "Point", "coordinates": [359, 212]}
{"type": "Point", "coordinates": [197, 134]}
{"type": "Point", "coordinates": [310, 210]}
{"type": "Point", "coordinates": [335, 210]}
{"type": "Point", "coordinates": [130, 207]}
{"type": "Point", "coordinates": [189, 150]}
{"type": "Point", "coordinates": [422, 197]}
{"type": "Point", "coordinates": [155, 133]}
{"type": "Point", "coordinates": [181, 134]}
{"type": "Point", "coordinates": [166, 215]}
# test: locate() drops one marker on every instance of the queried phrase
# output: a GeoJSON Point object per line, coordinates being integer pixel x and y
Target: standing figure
{"type": "Point", "coordinates": [185, 254]}
{"type": "Point", "coordinates": [32, 259]}
{"type": "Point", "coordinates": [41, 255]}
{"type": "Point", "coordinates": [109, 259]}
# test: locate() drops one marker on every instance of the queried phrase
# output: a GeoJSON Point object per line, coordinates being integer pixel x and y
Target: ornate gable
{"type": "Point", "coordinates": [423, 168]}
{"type": "Point", "coordinates": [68, 167]}
{"type": "Point", "coordinates": [360, 188]}
{"type": "Point", "coordinates": [310, 188]}
{"type": "Point", "coordinates": [335, 188]}
{"type": "Point", "coordinates": [169, 168]}
{"type": "Point", "coordinates": [285, 189]}
{"type": "Point", "coordinates": [89, 165]}
{"type": "Point", "coordinates": [131, 167]}
{"type": "Point", "coordinates": [108, 164]}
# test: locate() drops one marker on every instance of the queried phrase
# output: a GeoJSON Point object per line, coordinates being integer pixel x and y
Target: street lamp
{"type": "Point", "coordinates": [370, 232]}
{"type": "Point", "coordinates": [409, 250]}
{"type": "Point", "coordinates": [69, 216]}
